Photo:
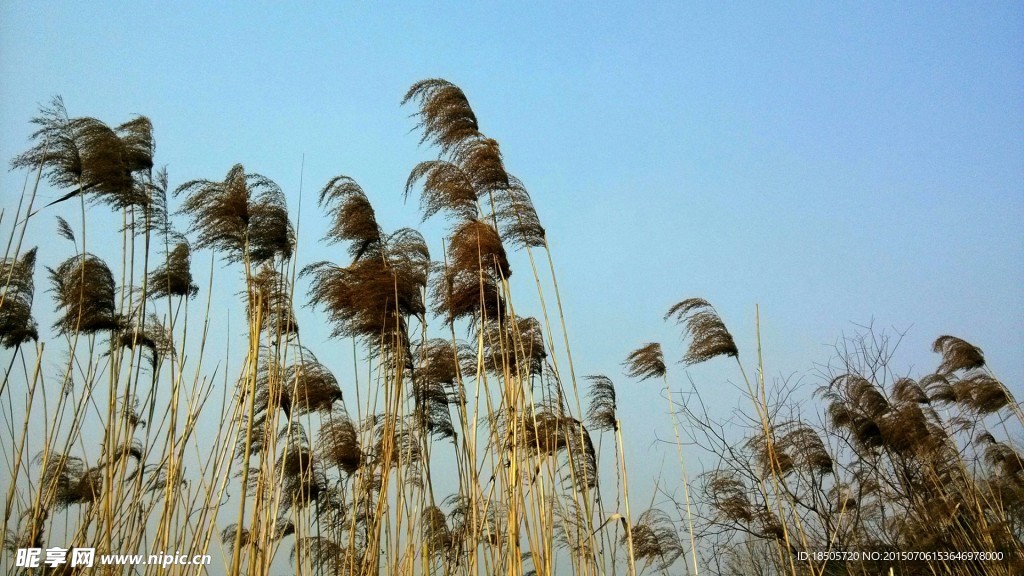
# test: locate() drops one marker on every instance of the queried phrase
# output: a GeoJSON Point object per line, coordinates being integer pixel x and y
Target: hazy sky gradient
{"type": "Point", "coordinates": [835, 164]}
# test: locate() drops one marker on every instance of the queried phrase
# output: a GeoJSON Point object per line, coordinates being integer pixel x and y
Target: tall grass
{"type": "Point", "coordinates": [131, 432]}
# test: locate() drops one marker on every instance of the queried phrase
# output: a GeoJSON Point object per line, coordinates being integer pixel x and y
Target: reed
{"type": "Point", "coordinates": [132, 432]}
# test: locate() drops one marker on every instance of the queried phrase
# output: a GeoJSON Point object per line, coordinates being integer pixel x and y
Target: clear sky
{"type": "Point", "coordinates": [837, 164]}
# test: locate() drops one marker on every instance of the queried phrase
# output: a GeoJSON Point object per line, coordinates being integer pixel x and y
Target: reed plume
{"type": "Point", "coordinates": [547, 432]}
{"type": "Point", "coordinates": [338, 443]}
{"type": "Point", "coordinates": [151, 334]}
{"type": "Point", "coordinates": [431, 399]}
{"type": "Point", "coordinates": [573, 528]}
{"type": "Point", "coordinates": [984, 394]}
{"type": "Point", "coordinates": [352, 216]}
{"type": "Point", "coordinates": [64, 229]}
{"type": "Point", "coordinates": [655, 539]}
{"type": "Point", "coordinates": [480, 158]}
{"type": "Point", "coordinates": [300, 388]}
{"type": "Point", "coordinates": [601, 413]}
{"type": "Point", "coordinates": [58, 147]}
{"type": "Point", "coordinates": [327, 556]}
{"type": "Point", "coordinates": [243, 211]}
{"type": "Point", "coordinates": [727, 494]}
{"type": "Point", "coordinates": [646, 362]}
{"type": "Point", "coordinates": [396, 444]}
{"type": "Point", "coordinates": [373, 297]}
{"type": "Point", "coordinates": [67, 481]}
{"type": "Point", "coordinates": [445, 116]}
{"type": "Point", "coordinates": [310, 386]}
{"type": "Point", "coordinates": [271, 292]}
{"type": "Point", "coordinates": [139, 146]}
{"type": "Point", "coordinates": [475, 245]}
{"type": "Point", "coordinates": [520, 225]}
{"type": "Point", "coordinates": [86, 155]}
{"type": "Point", "coordinates": [174, 276]}
{"type": "Point", "coordinates": [708, 335]}
{"type": "Point", "coordinates": [957, 354]}
{"type": "Point", "coordinates": [445, 186]}
{"type": "Point", "coordinates": [443, 362]}
{"type": "Point", "coordinates": [437, 536]}
{"type": "Point", "coordinates": [805, 448]}
{"type": "Point", "coordinates": [515, 346]}
{"type": "Point", "coordinates": [29, 532]}
{"type": "Point", "coordinates": [302, 477]}
{"type": "Point", "coordinates": [461, 294]}
{"type": "Point", "coordinates": [16, 323]}
{"type": "Point", "coordinates": [470, 283]}
{"type": "Point", "coordinates": [85, 293]}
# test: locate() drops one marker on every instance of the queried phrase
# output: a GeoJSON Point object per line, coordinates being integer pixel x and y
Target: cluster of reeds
{"type": "Point", "coordinates": [893, 465]}
{"type": "Point", "coordinates": [439, 454]}
{"type": "Point", "coordinates": [459, 443]}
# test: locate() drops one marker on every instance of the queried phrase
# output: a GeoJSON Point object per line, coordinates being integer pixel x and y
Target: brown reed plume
{"type": "Point", "coordinates": [805, 448]}
{"type": "Point", "coordinates": [1003, 457]}
{"type": "Point", "coordinates": [856, 404]}
{"type": "Point", "coordinates": [272, 292]}
{"type": "Point", "coordinates": [67, 481]}
{"type": "Point", "coordinates": [16, 323]}
{"type": "Point", "coordinates": [517, 217]}
{"type": "Point", "coordinates": [85, 293]}
{"type": "Point", "coordinates": [436, 533]}
{"type": "Point", "coordinates": [310, 386]}
{"type": "Point", "coordinates": [156, 217]}
{"type": "Point", "coordinates": [338, 443]}
{"type": "Point", "coordinates": [516, 346]}
{"type": "Point", "coordinates": [231, 532]}
{"type": "Point", "coordinates": [300, 388]}
{"type": "Point", "coordinates": [475, 245]}
{"type": "Point", "coordinates": [152, 335]}
{"type": "Point", "coordinates": [366, 300]}
{"type": "Point", "coordinates": [545, 431]}
{"type": "Point", "coordinates": [328, 556]}
{"type": "Point", "coordinates": [973, 389]}
{"type": "Point", "coordinates": [727, 494]}
{"type": "Point", "coordinates": [174, 276]}
{"type": "Point", "coordinates": [64, 229]}
{"type": "Point", "coordinates": [243, 211]}
{"type": "Point", "coordinates": [443, 362]}
{"type": "Point", "coordinates": [396, 444]}
{"type": "Point", "coordinates": [708, 335]}
{"type": "Point", "coordinates": [437, 383]}
{"type": "Point", "coordinates": [957, 354]}
{"type": "Point", "coordinates": [29, 531]}
{"type": "Point", "coordinates": [88, 156]}
{"type": "Point", "coordinates": [601, 413]}
{"type": "Point", "coordinates": [373, 297]}
{"type": "Point", "coordinates": [655, 539]}
{"type": "Point", "coordinates": [58, 147]}
{"type": "Point", "coordinates": [445, 116]}
{"type": "Point", "coordinates": [573, 530]}
{"type": "Point", "coordinates": [470, 283]}
{"type": "Point", "coordinates": [139, 146]}
{"type": "Point", "coordinates": [445, 186]}
{"type": "Point", "coordinates": [303, 479]}
{"type": "Point", "coordinates": [488, 518]}
{"type": "Point", "coordinates": [461, 294]}
{"type": "Point", "coordinates": [431, 412]}
{"type": "Point", "coordinates": [480, 158]}
{"type": "Point", "coordinates": [646, 362]}
{"type": "Point", "coordinates": [352, 217]}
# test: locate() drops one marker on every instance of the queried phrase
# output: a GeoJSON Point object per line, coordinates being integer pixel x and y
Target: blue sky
{"type": "Point", "coordinates": [836, 164]}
